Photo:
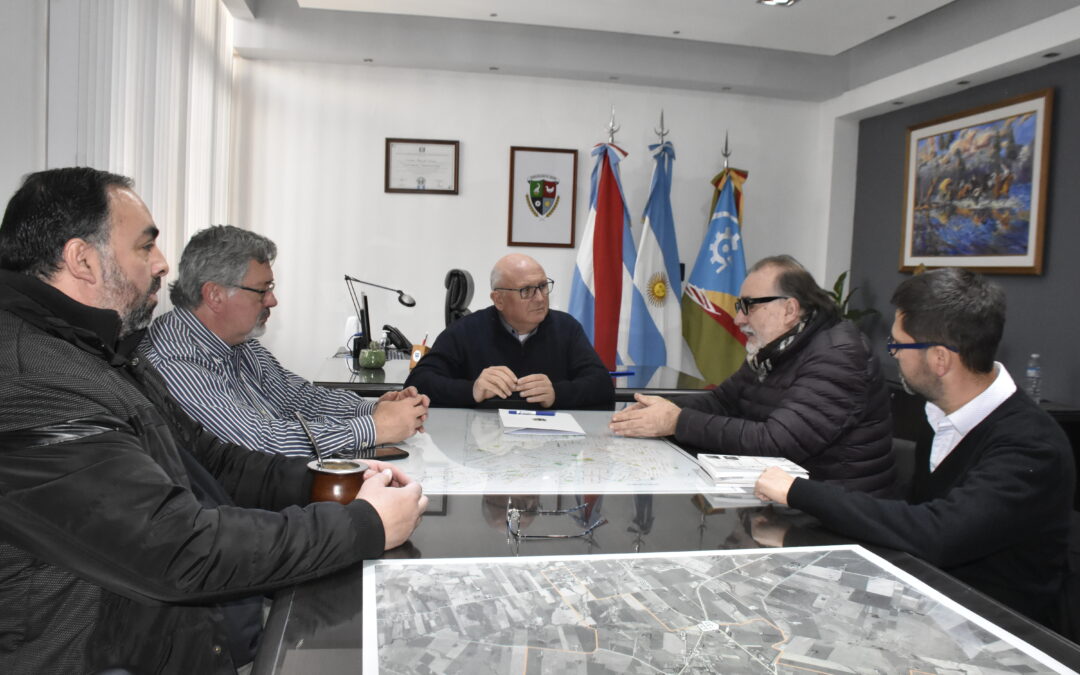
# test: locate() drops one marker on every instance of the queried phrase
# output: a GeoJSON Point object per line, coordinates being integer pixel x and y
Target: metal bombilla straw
{"type": "Point", "coordinates": [311, 437]}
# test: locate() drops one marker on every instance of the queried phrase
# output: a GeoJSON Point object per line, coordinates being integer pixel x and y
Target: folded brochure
{"type": "Point", "coordinates": [743, 469]}
{"type": "Point", "coordinates": [545, 422]}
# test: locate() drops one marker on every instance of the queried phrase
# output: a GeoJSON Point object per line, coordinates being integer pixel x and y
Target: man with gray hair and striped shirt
{"type": "Point", "coordinates": [206, 348]}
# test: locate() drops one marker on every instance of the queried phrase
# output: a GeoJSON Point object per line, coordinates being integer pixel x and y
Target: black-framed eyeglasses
{"type": "Point", "coordinates": [261, 292]}
{"type": "Point", "coordinates": [526, 292]}
{"type": "Point", "coordinates": [513, 521]}
{"type": "Point", "coordinates": [744, 304]}
{"type": "Point", "coordinates": [895, 347]}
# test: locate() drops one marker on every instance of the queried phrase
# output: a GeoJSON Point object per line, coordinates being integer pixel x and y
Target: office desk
{"type": "Point", "coordinates": [341, 372]}
{"type": "Point", "coordinates": [318, 627]}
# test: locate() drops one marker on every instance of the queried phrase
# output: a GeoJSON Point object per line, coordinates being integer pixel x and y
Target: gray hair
{"type": "Point", "coordinates": [220, 254]}
{"type": "Point", "coordinates": [795, 281]}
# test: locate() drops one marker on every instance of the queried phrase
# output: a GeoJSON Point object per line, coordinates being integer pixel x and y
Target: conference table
{"type": "Point", "coordinates": [628, 505]}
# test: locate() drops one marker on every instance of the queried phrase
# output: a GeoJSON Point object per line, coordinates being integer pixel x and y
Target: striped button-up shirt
{"type": "Point", "coordinates": [244, 395]}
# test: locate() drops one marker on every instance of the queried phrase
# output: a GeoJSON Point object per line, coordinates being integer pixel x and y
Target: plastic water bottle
{"type": "Point", "coordinates": [1033, 380]}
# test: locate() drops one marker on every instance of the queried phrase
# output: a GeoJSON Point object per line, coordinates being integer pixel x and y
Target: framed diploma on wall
{"type": "Point", "coordinates": [419, 166]}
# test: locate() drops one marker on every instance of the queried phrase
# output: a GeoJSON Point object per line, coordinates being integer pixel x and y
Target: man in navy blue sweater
{"type": "Point", "coordinates": [516, 350]}
{"type": "Point", "coordinates": [992, 491]}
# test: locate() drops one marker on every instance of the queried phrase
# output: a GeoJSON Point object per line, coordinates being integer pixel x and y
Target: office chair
{"type": "Point", "coordinates": [459, 292]}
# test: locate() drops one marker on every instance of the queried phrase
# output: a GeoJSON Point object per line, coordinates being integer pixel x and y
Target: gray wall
{"type": "Point", "coordinates": [1044, 311]}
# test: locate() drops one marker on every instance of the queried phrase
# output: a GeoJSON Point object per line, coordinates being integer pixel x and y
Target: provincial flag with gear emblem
{"type": "Point", "coordinates": [708, 302]}
{"type": "Point", "coordinates": [655, 327]}
{"type": "Point", "coordinates": [603, 281]}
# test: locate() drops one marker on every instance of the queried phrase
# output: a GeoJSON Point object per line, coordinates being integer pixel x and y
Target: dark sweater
{"type": "Point", "coordinates": [558, 349]}
{"type": "Point", "coordinates": [824, 406]}
{"type": "Point", "coordinates": [995, 513]}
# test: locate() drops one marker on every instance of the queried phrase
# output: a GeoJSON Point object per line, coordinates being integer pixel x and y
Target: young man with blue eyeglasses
{"type": "Point", "coordinates": [992, 492]}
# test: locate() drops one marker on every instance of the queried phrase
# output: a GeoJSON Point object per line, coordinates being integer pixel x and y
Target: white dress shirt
{"type": "Point", "coordinates": [949, 430]}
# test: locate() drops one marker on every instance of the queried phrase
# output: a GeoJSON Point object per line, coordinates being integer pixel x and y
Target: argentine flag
{"type": "Point", "coordinates": [655, 329]}
{"type": "Point", "coordinates": [605, 260]}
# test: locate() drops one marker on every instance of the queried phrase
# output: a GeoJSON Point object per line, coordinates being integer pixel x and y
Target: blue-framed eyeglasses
{"type": "Point", "coordinates": [526, 292]}
{"type": "Point", "coordinates": [744, 304]}
{"type": "Point", "coordinates": [894, 346]}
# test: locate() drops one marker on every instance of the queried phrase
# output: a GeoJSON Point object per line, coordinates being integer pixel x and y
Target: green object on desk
{"type": "Point", "coordinates": [372, 357]}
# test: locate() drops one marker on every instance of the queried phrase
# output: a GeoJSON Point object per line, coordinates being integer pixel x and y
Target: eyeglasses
{"type": "Point", "coordinates": [261, 292]}
{"type": "Point", "coordinates": [526, 292]}
{"type": "Point", "coordinates": [895, 347]}
{"type": "Point", "coordinates": [513, 522]}
{"type": "Point", "coordinates": [744, 304]}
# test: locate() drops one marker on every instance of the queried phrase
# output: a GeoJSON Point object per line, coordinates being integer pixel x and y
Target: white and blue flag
{"type": "Point", "coordinates": [655, 330]}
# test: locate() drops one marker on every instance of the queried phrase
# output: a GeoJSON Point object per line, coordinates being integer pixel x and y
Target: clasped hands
{"type": "Point", "coordinates": [500, 381]}
{"type": "Point", "coordinates": [399, 414]}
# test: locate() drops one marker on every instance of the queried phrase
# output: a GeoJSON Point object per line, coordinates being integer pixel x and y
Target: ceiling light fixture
{"type": "Point", "coordinates": [777, 3]}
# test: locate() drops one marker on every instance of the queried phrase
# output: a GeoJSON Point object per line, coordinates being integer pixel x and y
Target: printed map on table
{"type": "Point", "coordinates": [832, 609]}
{"type": "Point", "coordinates": [491, 461]}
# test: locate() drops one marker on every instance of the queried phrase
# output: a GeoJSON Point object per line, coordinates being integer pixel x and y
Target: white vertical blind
{"type": "Point", "coordinates": [153, 102]}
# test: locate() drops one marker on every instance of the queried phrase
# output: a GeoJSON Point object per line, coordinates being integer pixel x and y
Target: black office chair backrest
{"type": "Point", "coordinates": [459, 291]}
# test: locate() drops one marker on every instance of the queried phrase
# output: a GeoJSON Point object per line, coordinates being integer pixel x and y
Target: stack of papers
{"type": "Point", "coordinates": [742, 471]}
{"type": "Point", "coordinates": [544, 422]}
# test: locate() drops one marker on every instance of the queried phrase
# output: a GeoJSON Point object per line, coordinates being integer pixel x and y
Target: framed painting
{"type": "Point", "coordinates": [417, 166]}
{"type": "Point", "coordinates": [975, 188]}
{"type": "Point", "coordinates": [543, 197]}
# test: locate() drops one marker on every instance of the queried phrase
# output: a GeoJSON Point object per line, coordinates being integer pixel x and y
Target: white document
{"type": "Point", "coordinates": [544, 422]}
{"type": "Point", "coordinates": [742, 469]}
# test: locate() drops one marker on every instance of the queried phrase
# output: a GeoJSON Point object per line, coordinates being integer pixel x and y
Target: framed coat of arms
{"type": "Point", "coordinates": [543, 197]}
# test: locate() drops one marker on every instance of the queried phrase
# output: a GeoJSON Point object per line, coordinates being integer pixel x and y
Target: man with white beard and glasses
{"type": "Point", "coordinates": [811, 389]}
{"type": "Point", "coordinates": [207, 351]}
{"type": "Point", "coordinates": [993, 490]}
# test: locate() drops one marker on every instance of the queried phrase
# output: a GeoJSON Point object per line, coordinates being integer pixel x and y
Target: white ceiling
{"type": "Point", "coordinates": [824, 27]}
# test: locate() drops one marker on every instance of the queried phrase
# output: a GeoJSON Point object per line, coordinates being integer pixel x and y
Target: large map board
{"type": "Point", "coordinates": [834, 609]}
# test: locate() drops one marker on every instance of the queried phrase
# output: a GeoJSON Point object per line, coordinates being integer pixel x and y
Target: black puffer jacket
{"type": "Point", "coordinates": [824, 406]}
{"type": "Point", "coordinates": [129, 536]}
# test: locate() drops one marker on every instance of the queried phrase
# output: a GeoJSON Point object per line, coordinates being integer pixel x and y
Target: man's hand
{"type": "Point", "coordinates": [397, 420]}
{"type": "Point", "coordinates": [650, 416]}
{"type": "Point", "coordinates": [407, 392]}
{"type": "Point", "coordinates": [537, 389]}
{"type": "Point", "coordinates": [494, 381]}
{"type": "Point", "coordinates": [399, 508]}
{"type": "Point", "coordinates": [398, 478]}
{"type": "Point", "coordinates": [773, 485]}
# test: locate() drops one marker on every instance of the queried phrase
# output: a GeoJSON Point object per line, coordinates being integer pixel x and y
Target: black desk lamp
{"type": "Point", "coordinates": [361, 307]}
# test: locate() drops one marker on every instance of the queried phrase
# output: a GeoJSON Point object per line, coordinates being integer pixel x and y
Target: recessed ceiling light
{"type": "Point", "coordinates": [1051, 55]}
{"type": "Point", "coordinates": [777, 3]}
{"type": "Point", "coordinates": [963, 82]}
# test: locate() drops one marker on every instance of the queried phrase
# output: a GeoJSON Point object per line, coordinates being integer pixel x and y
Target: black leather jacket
{"type": "Point", "coordinates": [129, 536]}
{"type": "Point", "coordinates": [824, 406]}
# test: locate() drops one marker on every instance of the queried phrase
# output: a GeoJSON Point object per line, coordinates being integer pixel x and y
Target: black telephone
{"type": "Point", "coordinates": [395, 338]}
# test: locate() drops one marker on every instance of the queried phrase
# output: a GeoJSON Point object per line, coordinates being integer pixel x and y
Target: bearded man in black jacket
{"type": "Point", "coordinates": [811, 389]}
{"type": "Point", "coordinates": [993, 488]}
{"type": "Point", "coordinates": [129, 536]}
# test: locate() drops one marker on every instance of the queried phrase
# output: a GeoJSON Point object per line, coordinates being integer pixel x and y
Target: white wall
{"type": "Point", "coordinates": [23, 29]}
{"type": "Point", "coordinates": [308, 162]}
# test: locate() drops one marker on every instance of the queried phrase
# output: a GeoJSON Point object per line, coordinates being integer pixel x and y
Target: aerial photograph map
{"type": "Point", "coordinates": [832, 609]}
